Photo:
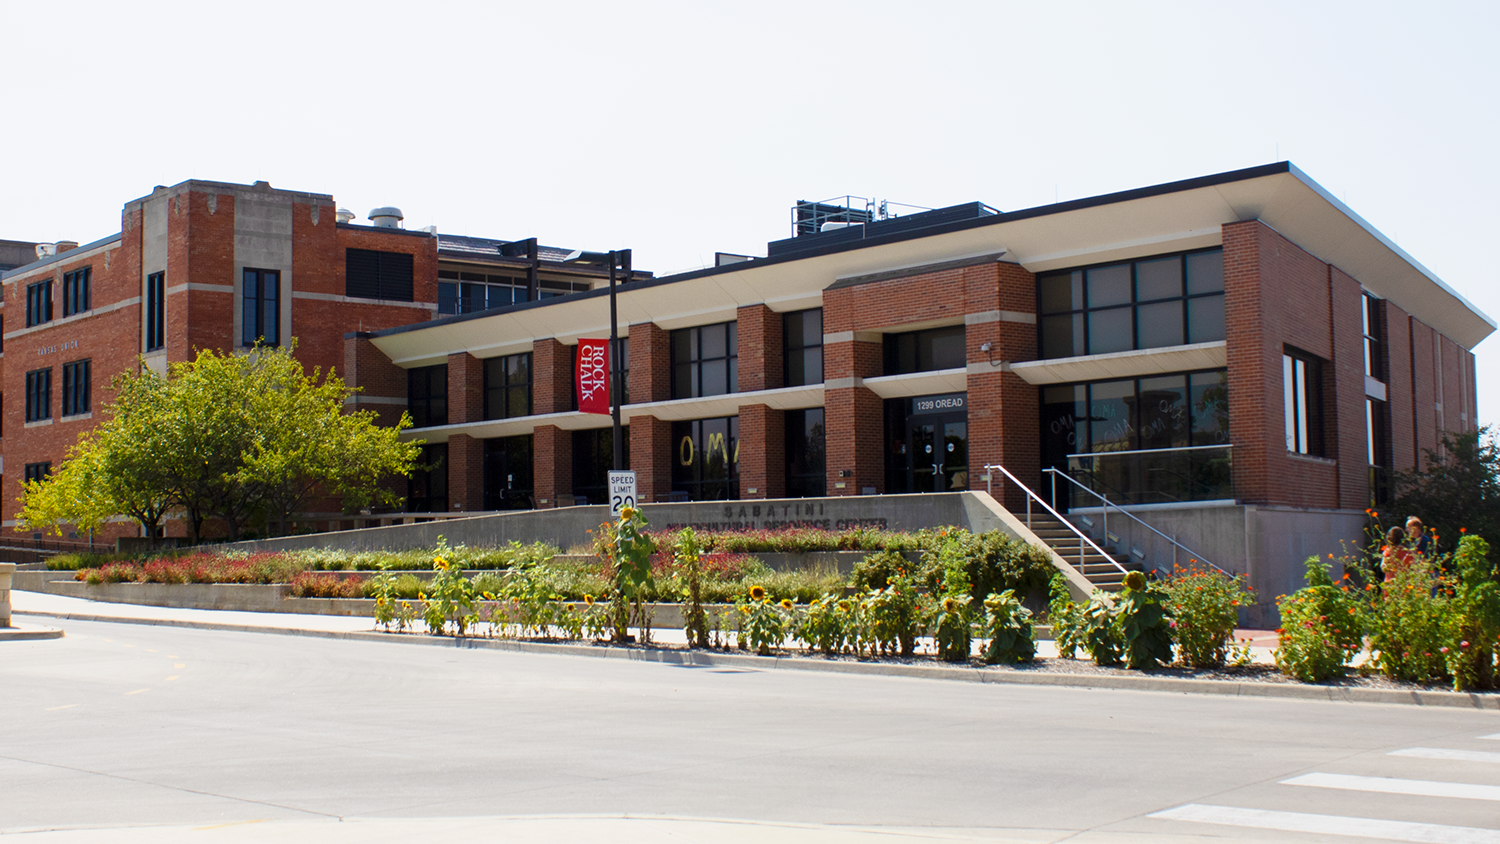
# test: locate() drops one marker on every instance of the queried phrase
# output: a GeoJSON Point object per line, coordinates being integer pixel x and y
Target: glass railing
{"type": "Point", "coordinates": [1152, 476]}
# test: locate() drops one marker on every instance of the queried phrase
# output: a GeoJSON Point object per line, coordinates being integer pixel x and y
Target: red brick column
{"type": "Point", "coordinates": [552, 464]}
{"type": "Point", "coordinates": [650, 451]}
{"type": "Point", "coordinates": [1003, 408]}
{"type": "Point", "coordinates": [382, 383]}
{"type": "Point", "coordinates": [465, 473]}
{"type": "Point", "coordinates": [759, 332]}
{"type": "Point", "coordinates": [650, 364]}
{"type": "Point", "coordinates": [1252, 429]}
{"type": "Point", "coordinates": [465, 388]}
{"type": "Point", "coordinates": [762, 451]}
{"type": "Point", "coordinates": [551, 379]}
{"type": "Point", "coordinates": [1347, 426]}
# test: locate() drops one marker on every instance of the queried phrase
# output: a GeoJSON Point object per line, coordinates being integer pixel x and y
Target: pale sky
{"type": "Point", "coordinates": [681, 129]}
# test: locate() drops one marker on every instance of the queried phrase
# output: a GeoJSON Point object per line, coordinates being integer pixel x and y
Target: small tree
{"type": "Point", "coordinates": [1459, 487]}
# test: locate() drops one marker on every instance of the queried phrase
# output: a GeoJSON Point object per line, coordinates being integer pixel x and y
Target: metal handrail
{"type": "Point", "coordinates": [1082, 537]}
{"type": "Point", "coordinates": [1192, 555]}
{"type": "Point", "coordinates": [1151, 450]}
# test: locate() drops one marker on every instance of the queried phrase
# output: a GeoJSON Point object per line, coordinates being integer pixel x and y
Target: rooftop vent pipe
{"type": "Point", "coordinates": [387, 217]}
{"type": "Point", "coordinates": [344, 215]}
{"type": "Point", "coordinates": [45, 250]}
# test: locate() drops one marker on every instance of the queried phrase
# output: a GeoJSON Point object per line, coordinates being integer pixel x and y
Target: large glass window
{"type": "Point", "coordinates": [261, 290]}
{"type": "Point", "coordinates": [1378, 449]}
{"type": "Point", "coordinates": [38, 395]}
{"type": "Point", "coordinates": [593, 458]}
{"type": "Point", "coordinates": [507, 473]}
{"type": "Point", "coordinates": [38, 303]}
{"type": "Point", "coordinates": [925, 351]}
{"type": "Point", "coordinates": [427, 486]}
{"type": "Point", "coordinates": [156, 311]}
{"type": "Point", "coordinates": [705, 361]}
{"type": "Point", "coordinates": [75, 392]}
{"type": "Point", "coordinates": [471, 292]}
{"type": "Point", "coordinates": [369, 274]}
{"type": "Point", "coordinates": [706, 458]}
{"type": "Point", "coordinates": [507, 386]}
{"type": "Point", "coordinates": [802, 334]}
{"type": "Point", "coordinates": [1146, 304]}
{"type": "Point", "coordinates": [1142, 440]}
{"type": "Point", "coordinates": [427, 395]}
{"type": "Point", "coordinates": [76, 297]}
{"type": "Point", "coordinates": [1302, 399]}
{"type": "Point", "coordinates": [806, 465]}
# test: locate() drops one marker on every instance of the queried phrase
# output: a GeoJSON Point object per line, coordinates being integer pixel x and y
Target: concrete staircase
{"type": "Point", "coordinates": [1096, 568]}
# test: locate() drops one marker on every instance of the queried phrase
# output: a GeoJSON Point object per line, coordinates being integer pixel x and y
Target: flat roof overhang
{"type": "Point", "coordinates": [1131, 224]}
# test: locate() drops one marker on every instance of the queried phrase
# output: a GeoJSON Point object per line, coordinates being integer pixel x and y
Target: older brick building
{"type": "Point", "coordinates": [1239, 356]}
{"type": "Point", "coordinates": [213, 265]}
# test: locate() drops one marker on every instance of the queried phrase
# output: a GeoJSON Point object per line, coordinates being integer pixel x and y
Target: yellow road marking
{"type": "Point", "coordinates": [124, 644]}
{"type": "Point", "coordinates": [64, 706]}
{"type": "Point", "coordinates": [137, 691]}
{"type": "Point", "coordinates": [180, 665]}
{"type": "Point", "coordinates": [173, 656]}
{"type": "Point", "coordinates": [173, 677]}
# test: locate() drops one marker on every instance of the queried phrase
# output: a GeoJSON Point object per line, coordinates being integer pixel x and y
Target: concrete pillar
{"type": "Point", "coordinates": [6, 570]}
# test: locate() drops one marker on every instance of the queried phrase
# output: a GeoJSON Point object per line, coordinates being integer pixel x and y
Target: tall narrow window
{"type": "Point", "coordinates": [38, 303]}
{"type": "Point", "coordinates": [507, 386]}
{"type": "Point", "coordinates": [38, 471]}
{"type": "Point", "coordinates": [1374, 334]}
{"type": "Point", "coordinates": [802, 332]}
{"type": "Point", "coordinates": [262, 291]}
{"type": "Point", "coordinates": [1302, 394]}
{"type": "Point", "coordinates": [427, 395]}
{"type": "Point", "coordinates": [75, 396]}
{"type": "Point", "coordinates": [76, 292]}
{"type": "Point", "coordinates": [705, 361]}
{"type": "Point", "coordinates": [156, 311]}
{"type": "Point", "coordinates": [38, 395]}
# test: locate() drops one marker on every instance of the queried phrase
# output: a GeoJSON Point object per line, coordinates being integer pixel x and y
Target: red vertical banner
{"type": "Point", "coordinates": [593, 376]}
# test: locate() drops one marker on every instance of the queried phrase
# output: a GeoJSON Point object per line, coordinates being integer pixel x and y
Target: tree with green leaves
{"type": "Point", "coordinates": [1458, 488]}
{"type": "Point", "coordinates": [237, 437]}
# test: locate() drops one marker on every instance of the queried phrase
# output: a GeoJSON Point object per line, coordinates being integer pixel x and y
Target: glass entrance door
{"type": "Point", "coordinates": [939, 449]}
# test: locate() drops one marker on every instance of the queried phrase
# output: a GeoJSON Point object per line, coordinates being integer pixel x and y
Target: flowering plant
{"type": "Point", "coordinates": [1205, 607]}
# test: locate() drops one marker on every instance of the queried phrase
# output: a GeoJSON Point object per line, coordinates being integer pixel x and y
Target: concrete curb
{"type": "Point", "coordinates": [27, 633]}
{"type": "Point", "coordinates": [1143, 683]}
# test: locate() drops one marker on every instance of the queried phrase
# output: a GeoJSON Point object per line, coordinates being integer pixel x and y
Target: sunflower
{"type": "Point", "coordinates": [745, 609]}
{"type": "Point", "coordinates": [786, 603]}
{"type": "Point", "coordinates": [627, 513]}
{"type": "Point", "coordinates": [844, 605]}
{"type": "Point", "coordinates": [757, 593]}
{"type": "Point", "coordinates": [439, 563]}
{"type": "Point", "coordinates": [588, 599]}
{"type": "Point", "coordinates": [949, 605]}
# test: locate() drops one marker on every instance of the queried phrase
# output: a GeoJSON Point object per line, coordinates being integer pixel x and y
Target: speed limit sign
{"type": "Point", "coordinates": [621, 491]}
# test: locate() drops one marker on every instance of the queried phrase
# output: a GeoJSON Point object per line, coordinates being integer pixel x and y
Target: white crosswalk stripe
{"type": "Point", "coordinates": [1429, 833]}
{"type": "Point", "coordinates": [1392, 785]}
{"type": "Point", "coordinates": [1422, 826]}
{"type": "Point", "coordinates": [1449, 754]}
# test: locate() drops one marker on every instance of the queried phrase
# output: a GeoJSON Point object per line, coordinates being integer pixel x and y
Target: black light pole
{"type": "Point", "coordinates": [617, 260]}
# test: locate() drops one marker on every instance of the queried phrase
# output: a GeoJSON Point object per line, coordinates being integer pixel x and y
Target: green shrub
{"type": "Point", "coordinates": [1144, 623]}
{"type": "Point", "coordinates": [892, 617]}
{"type": "Point", "coordinates": [1007, 625]}
{"type": "Point", "coordinates": [80, 560]}
{"type": "Point", "coordinates": [1066, 618]}
{"type": "Point", "coordinates": [1406, 620]}
{"type": "Point", "coordinates": [1474, 620]}
{"type": "Point", "coordinates": [1320, 630]}
{"type": "Point", "coordinates": [764, 623]}
{"type": "Point", "coordinates": [877, 570]}
{"type": "Point", "coordinates": [1102, 637]}
{"type": "Point", "coordinates": [1205, 609]}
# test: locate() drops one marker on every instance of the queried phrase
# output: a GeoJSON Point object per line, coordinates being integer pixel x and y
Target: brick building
{"type": "Point", "coordinates": [1239, 356]}
{"type": "Point", "coordinates": [215, 265]}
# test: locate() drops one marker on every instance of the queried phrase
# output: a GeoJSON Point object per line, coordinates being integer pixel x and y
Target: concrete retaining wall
{"type": "Point", "coordinates": [1269, 544]}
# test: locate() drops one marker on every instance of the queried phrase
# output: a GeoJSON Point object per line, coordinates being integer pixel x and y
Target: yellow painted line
{"type": "Point", "coordinates": [137, 691]}
{"type": "Point", "coordinates": [223, 825]}
{"type": "Point", "coordinates": [173, 677]}
{"type": "Point", "coordinates": [127, 645]}
{"type": "Point", "coordinates": [64, 706]}
{"type": "Point", "coordinates": [173, 656]}
{"type": "Point", "coordinates": [180, 665]}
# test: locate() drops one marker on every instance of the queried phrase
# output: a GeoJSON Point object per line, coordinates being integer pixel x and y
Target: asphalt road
{"type": "Point", "coordinates": [124, 732]}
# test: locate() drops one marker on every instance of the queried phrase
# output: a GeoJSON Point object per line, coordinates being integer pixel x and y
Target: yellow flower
{"type": "Point", "coordinates": [844, 605]}
{"type": "Point", "coordinates": [627, 513]}
{"type": "Point", "coordinates": [439, 562]}
{"type": "Point", "coordinates": [379, 602]}
{"type": "Point", "coordinates": [421, 596]}
{"type": "Point", "coordinates": [786, 603]}
{"type": "Point", "coordinates": [489, 597]}
{"type": "Point", "coordinates": [757, 593]}
{"type": "Point", "coordinates": [588, 599]}
{"type": "Point", "coordinates": [745, 610]}
{"type": "Point", "coordinates": [949, 605]}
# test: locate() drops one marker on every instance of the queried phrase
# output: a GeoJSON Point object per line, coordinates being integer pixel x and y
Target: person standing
{"type": "Point", "coordinates": [1418, 538]}
{"type": "Point", "coordinates": [1395, 556]}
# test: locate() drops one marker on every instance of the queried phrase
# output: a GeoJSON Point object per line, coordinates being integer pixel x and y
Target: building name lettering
{"type": "Point", "coordinates": [57, 347]}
